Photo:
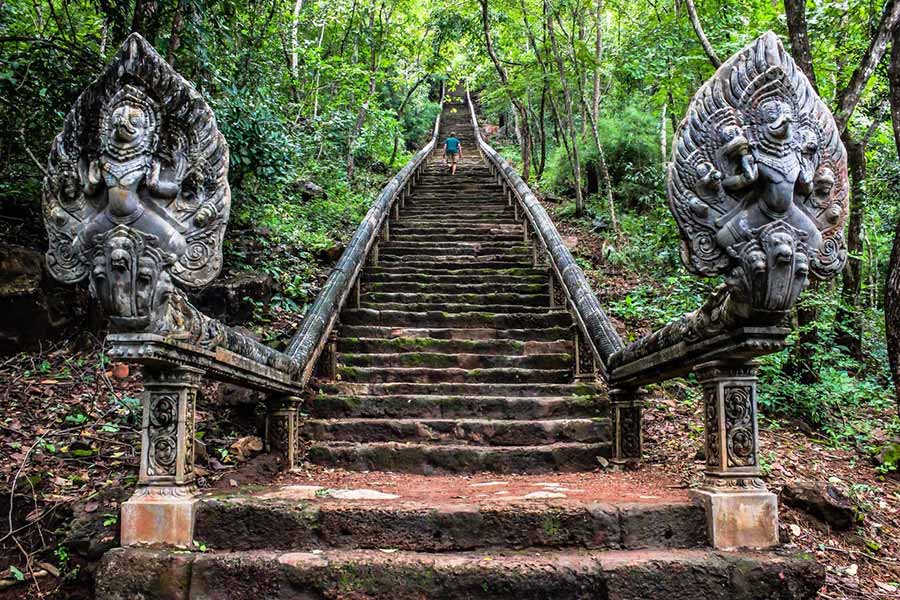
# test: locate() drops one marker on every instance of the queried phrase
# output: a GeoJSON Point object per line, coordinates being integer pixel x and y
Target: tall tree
{"type": "Point", "coordinates": [524, 131]}
{"type": "Point", "coordinates": [892, 286]}
{"type": "Point", "coordinates": [701, 35]}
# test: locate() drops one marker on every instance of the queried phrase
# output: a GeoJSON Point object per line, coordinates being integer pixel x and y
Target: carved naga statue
{"type": "Point", "coordinates": [758, 186]}
{"type": "Point", "coordinates": [136, 199]}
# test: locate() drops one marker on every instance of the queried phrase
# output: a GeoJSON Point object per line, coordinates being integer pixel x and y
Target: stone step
{"type": "Point", "coordinates": [472, 238]}
{"type": "Point", "coordinates": [364, 316]}
{"type": "Point", "coordinates": [456, 251]}
{"type": "Point", "coordinates": [443, 222]}
{"type": "Point", "coordinates": [685, 574]}
{"type": "Point", "coordinates": [400, 229]}
{"type": "Point", "coordinates": [392, 274]}
{"type": "Point", "coordinates": [429, 264]}
{"type": "Point", "coordinates": [469, 432]}
{"type": "Point", "coordinates": [546, 334]}
{"type": "Point", "coordinates": [539, 300]}
{"type": "Point", "coordinates": [433, 458]}
{"type": "Point", "coordinates": [454, 308]}
{"type": "Point", "coordinates": [462, 287]}
{"type": "Point", "coordinates": [297, 520]}
{"type": "Point", "coordinates": [451, 407]}
{"type": "Point", "coordinates": [450, 374]}
{"type": "Point", "coordinates": [437, 360]}
{"type": "Point", "coordinates": [445, 273]}
{"type": "Point", "coordinates": [505, 347]}
{"type": "Point", "coordinates": [508, 390]}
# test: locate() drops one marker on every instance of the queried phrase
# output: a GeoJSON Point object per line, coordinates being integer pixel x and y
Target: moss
{"type": "Point", "coordinates": [552, 525]}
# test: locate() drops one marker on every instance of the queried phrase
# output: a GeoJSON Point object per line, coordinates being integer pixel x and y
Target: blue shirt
{"type": "Point", "coordinates": [452, 145]}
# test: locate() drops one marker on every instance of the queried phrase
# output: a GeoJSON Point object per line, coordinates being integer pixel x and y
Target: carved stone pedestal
{"type": "Point", "coordinates": [161, 511]}
{"type": "Point", "coordinates": [625, 409]}
{"type": "Point", "coordinates": [283, 429]}
{"type": "Point", "coordinates": [740, 511]}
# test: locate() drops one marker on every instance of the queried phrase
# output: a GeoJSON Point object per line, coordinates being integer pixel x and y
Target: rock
{"type": "Point", "coordinates": [232, 395]}
{"type": "Point", "coordinates": [246, 447]}
{"type": "Point", "coordinates": [700, 455]}
{"type": "Point", "coordinates": [231, 299]}
{"type": "Point", "coordinates": [821, 500]}
{"type": "Point", "coordinates": [309, 190]}
{"type": "Point", "coordinates": [888, 458]}
{"type": "Point", "coordinates": [360, 495]}
{"type": "Point", "coordinates": [33, 307]}
{"type": "Point", "coordinates": [331, 254]}
{"type": "Point", "coordinates": [570, 241]}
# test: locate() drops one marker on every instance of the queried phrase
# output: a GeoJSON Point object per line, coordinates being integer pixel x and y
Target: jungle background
{"type": "Point", "coordinates": [321, 102]}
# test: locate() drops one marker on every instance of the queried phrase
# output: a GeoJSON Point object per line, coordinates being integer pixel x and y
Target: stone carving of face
{"type": "Point", "coordinates": [130, 280]}
{"type": "Point", "coordinates": [129, 123]}
{"type": "Point", "coordinates": [778, 118]}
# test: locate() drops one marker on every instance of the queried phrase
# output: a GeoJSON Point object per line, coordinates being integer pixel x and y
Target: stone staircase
{"type": "Point", "coordinates": [454, 360]}
{"type": "Point", "coordinates": [458, 453]}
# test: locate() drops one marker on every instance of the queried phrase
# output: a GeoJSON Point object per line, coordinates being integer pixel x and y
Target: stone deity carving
{"type": "Point", "coordinates": [136, 200]}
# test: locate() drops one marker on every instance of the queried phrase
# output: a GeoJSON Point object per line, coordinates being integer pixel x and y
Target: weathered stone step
{"type": "Point", "coordinates": [429, 263]}
{"type": "Point", "coordinates": [547, 334]}
{"type": "Point", "coordinates": [462, 287]}
{"type": "Point", "coordinates": [257, 521]}
{"type": "Point", "coordinates": [439, 375]}
{"type": "Point", "coordinates": [392, 274]}
{"type": "Point", "coordinates": [472, 238]}
{"type": "Point", "coordinates": [541, 300]}
{"type": "Point", "coordinates": [686, 574]}
{"type": "Point", "coordinates": [438, 360]}
{"type": "Point", "coordinates": [506, 347]}
{"type": "Point", "coordinates": [363, 316]}
{"type": "Point", "coordinates": [448, 250]}
{"type": "Point", "coordinates": [401, 228]}
{"type": "Point", "coordinates": [451, 407]}
{"type": "Point", "coordinates": [469, 432]}
{"type": "Point", "coordinates": [453, 308]}
{"type": "Point", "coordinates": [475, 211]}
{"type": "Point", "coordinates": [434, 458]}
{"type": "Point", "coordinates": [509, 390]}
{"type": "Point", "coordinates": [456, 220]}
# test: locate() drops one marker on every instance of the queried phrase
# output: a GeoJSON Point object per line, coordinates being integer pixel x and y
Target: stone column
{"type": "Point", "coordinates": [161, 511]}
{"type": "Point", "coordinates": [741, 512]}
{"type": "Point", "coordinates": [626, 409]}
{"type": "Point", "coordinates": [283, 429]}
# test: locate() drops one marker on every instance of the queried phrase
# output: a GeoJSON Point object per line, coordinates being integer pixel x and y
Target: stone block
{"type": "Point", "coordinates": [740, 519]}
{"type": "Point", "coordinates": [150, 518]}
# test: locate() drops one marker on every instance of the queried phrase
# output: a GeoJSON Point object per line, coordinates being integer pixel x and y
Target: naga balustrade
{"type": "Point", "coordinates": [136, 201]}
{"type": "Point", "coordinates": [758, 187]}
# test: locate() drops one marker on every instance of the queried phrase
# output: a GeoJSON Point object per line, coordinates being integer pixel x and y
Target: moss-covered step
{"type": "Point", "coordinates": [456, 360]}
{"type": "Point", "coordinates": [324, 406]}
{"type": "Point", "coordinates": [426, 458]}
{"type": "Point", "coordinates": [435, 375]}
{"type": "Point", "coordinates": [509, 347]}
{"type": "Point", "coordinates": [474, 432]}
{"type": "Point", "coordinates": [518, 390]}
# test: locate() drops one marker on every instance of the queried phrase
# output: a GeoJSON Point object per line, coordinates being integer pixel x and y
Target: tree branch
{"type": "Point", "coordinates": [698, 29]}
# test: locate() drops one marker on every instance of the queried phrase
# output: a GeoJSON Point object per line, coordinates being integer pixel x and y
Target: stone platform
{"type": "Point", "coordinates": [344, 534]}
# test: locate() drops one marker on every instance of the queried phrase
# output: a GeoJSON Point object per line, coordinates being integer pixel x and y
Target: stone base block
{"type": "Point", "coordinates": [740, 519]}
{"type": "Point", "coordinates": [158, 518]}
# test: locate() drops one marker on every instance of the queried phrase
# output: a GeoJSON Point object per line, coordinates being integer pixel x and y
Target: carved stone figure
{"type": "Point", "coordinates": [758, 182]}
{"type": "Point", "coordinates": [136, 199]}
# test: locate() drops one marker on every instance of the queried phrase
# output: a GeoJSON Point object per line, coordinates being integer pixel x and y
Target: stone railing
{"type": "Point", "coordinates": [314, 336]}
{"type": "Point", "coordinates": [136, 201]}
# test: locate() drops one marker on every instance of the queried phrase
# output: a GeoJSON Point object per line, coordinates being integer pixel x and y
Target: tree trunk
{"type": "Point", "coordinates": [567, 98]}
{"type": "Point", "coordinates": [663, 144]}
{"type": "Point", "coordinates": [598, 51]}
{"type": "Point", "coordinates": [698, 29]}
{"type": "Point", "coordinates": [795, 11]}
{"type": "Point", "coordinates": [542, 131]}
{"type": "Point", "coordinates": [848, 98]}
{"type": "Point", "coordinates": [146, 19]}
{"type": "Point", "coordinates": [401, 110]}
{"type": "Point", "coordinates": [175, 36]}
{"type": "Point", "coordinates": [364, 107]}
{"type": "Point", "coordinates": [848, 319]}
{"type": "Point", "coordinates": [892, 287]}
{"type": "Point", "coordinates": [295, 28]}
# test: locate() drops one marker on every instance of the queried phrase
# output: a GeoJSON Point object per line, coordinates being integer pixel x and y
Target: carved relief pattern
{"type": "Point", "coordinates": [585, 356]}
{"type": "Point", "coordinates": [630, 431]}
{"type": "Point", "coordinates": [162, 433]}
{"type": "Point", "coordinates": [739, 425]}
{"type": "Point", "coordinates": [713, 443]}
